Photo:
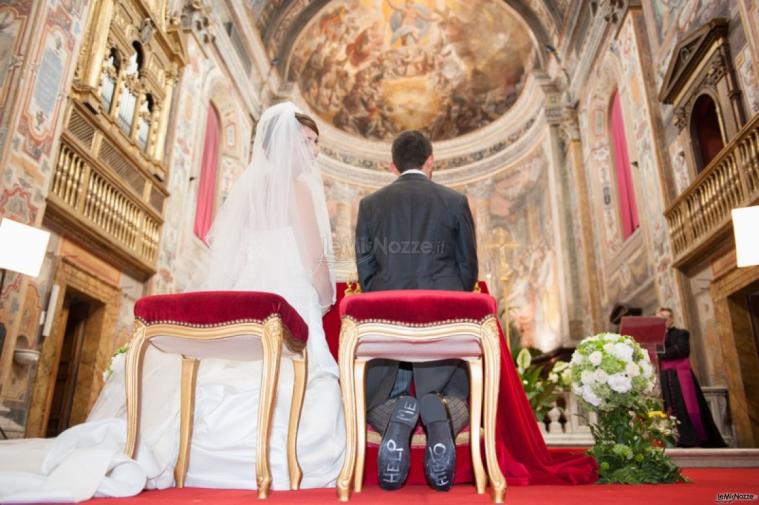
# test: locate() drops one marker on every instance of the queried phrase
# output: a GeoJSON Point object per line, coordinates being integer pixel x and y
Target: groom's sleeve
{"type": "Point", "coordinates": [466, 247]}
{"type": "Point", "coordinates": [366, 264]}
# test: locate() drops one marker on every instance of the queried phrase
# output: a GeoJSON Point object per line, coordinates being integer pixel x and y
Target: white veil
{"type": "Point", "coordinates": [281, 188]}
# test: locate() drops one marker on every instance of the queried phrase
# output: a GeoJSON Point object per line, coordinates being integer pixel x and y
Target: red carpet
{"type": "Point", "coordinates": [706, 484]}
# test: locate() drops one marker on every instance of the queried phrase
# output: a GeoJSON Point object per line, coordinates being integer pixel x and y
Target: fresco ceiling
{"type": "Point", "coordinates": [375, 67]}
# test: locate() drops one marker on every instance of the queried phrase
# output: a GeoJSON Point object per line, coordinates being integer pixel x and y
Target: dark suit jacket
{"type": "Point", "coordinates": [415, 234]}
{"type": "Point", "coordinates": [676, 344]}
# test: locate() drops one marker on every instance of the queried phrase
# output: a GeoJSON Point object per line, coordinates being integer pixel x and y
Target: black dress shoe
{"type": "Point", "coordinates": [394, 456]}
{"type": "Point", "coordinates": [440, 454]}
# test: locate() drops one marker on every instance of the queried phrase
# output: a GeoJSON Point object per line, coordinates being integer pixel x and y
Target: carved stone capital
{"type": "Point", "coordinates": [680, 118]}
{"type": "Point", "coordinates": [717, 70]}
{"type": "Point", "coordinates": [569, 128]}
{"type": "Point", "coordinates": [196, 17]}
{"type": "Point", "coordinates": [612, 10]}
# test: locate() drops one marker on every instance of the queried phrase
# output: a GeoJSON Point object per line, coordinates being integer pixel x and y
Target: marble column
{"type": "Point", "coordinates": [570, 132]}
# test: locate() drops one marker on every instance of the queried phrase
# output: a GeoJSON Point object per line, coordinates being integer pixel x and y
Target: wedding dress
{"type": "Point", "coordinates": [259, 242]}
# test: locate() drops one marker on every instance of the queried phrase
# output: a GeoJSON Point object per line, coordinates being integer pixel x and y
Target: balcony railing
{"type": "Point", "coordinates": [96, 205]}
{"type": "Point", "coordinates": [700, 216]}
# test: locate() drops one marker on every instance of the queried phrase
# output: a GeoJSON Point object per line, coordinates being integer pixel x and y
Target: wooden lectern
{"type": "Point", "coordinates": [649, 332]}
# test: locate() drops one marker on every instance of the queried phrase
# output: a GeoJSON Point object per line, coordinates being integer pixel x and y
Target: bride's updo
{"type": "Point", "coordinates": [307, 121]}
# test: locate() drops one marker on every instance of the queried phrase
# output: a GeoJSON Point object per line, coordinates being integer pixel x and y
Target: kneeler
{"type": "Point", "coordinates": [233, 325]}
{"type": "Point", "coordinates": [521, 450]}
{"type": "Point", "coordinates": [421, 326]}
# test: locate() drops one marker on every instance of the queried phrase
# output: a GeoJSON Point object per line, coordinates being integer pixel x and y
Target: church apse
{"type": "Point", "coordinates": [376, 67]}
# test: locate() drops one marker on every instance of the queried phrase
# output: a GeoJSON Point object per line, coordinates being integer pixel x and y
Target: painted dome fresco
{"type": "Point", "coordinates": [373, 68]}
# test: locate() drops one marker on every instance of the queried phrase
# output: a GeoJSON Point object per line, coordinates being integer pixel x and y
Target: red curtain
{"type": "Point", "coordinates": [208, 169]}
{"type": "Point", "coordinates": [627, 205]}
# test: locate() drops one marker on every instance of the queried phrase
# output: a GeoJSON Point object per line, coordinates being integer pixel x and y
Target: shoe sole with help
{"type": "Point", "coordinates": [394, 458]}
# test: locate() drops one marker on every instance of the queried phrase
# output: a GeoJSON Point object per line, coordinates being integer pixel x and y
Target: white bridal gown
{"type": "Point", "coordinates": [87, 460]}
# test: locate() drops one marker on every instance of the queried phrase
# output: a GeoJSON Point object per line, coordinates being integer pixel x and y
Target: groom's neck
{"type": "Point", "coordinates": [414, 171]}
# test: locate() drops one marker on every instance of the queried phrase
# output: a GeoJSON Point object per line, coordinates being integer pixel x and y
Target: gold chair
{"type": "Point", "coordinates": [416, 326]}
{"type": "Point", "coordinates": [242, 326]}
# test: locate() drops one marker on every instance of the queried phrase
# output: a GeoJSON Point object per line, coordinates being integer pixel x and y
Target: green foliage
{"type": "Point", "coordinates": [117, 361]}
{"type": "Point", "coordinates": [542, 389]}
{"type": "Point", "coordinates": [629, 445]}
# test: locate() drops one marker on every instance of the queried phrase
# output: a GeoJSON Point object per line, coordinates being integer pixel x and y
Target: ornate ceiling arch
{"type": "Point", "coordinates": [375, 67]}
{"type": "Point", "coordinates": [279, 22]}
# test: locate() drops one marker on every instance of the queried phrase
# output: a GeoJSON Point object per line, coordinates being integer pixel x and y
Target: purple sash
{"type": "Point", "coordinates": [681, 366]}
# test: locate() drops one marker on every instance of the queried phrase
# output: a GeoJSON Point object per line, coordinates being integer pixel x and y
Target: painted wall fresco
{"type": "Point", "coordinates": [376, 67]}
{"type": "Point", "coordinates": [640, 269]}
{"type": "Point", "coordinates": [30, 122]}
{"type": "Point", "coordinates": [746, 70]}
{"type": "Point", "coordinates": [182, 254]}
{"type": "Point", "coordinates": [626, 266]}
{"type": "Point", "coordinates": [675, 18]}
{"type": "Point", "coordinates": [520, 210]}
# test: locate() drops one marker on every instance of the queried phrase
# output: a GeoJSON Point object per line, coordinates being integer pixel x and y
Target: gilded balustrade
{"type": "Point", "coordinates": [89, 193]}
{"type": "Point", "coordinates": [700, 216]}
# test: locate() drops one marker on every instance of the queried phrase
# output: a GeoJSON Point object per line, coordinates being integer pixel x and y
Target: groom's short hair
{"type": "Point", "coordinates": [411, 148]}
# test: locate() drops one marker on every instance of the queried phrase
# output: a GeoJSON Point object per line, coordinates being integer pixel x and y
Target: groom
{"type": "Point", "coordinates": [416, 234]}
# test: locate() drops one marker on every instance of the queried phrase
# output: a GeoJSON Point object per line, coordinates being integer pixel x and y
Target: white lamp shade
{"type": "Point", "coordinates": [22, 247]}
{"type": "Point", "coordinates": [746, 227]}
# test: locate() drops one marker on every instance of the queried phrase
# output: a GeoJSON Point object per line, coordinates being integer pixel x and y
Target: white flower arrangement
{"type": "Point", "coordinates": [608, 367]}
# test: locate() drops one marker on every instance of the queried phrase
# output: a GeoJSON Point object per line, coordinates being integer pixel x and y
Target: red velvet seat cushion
{"type": "Point", "coordinates": [209, 308]}
{"type": "Point", "coordinates": [418, 306]}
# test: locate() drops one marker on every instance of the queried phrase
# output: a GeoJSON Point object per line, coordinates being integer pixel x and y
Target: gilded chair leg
{"type": "Point", "coordinates": [186, 412]}
{"type": "Point", "coordinates": [492, 364]}
{"type": "Point", "coordinates": [475, 423]}
{"type": "Point", "coordinates": [299, 390]}
{"type": "Point", "coordinates": [133, 380]}
{"type": "Point", "coordinates": [359, 373]}
{"type": "Point", "coordinates": [272, 348]}
{"type": "Point", "coordinates": [348, 341]}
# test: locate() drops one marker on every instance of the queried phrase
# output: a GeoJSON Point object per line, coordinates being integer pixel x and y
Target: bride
{"type": "Point", "coordinates": [271, 234]}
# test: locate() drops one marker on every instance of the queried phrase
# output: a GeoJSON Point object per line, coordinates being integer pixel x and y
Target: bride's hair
{"type": "Point", "coordinates": [307, 121]}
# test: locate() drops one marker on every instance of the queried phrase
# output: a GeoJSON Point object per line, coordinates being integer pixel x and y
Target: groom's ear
{"type": "Point", "coordinates": [427, 167]}
{"type": "Point", "coordinates": [394, 169]}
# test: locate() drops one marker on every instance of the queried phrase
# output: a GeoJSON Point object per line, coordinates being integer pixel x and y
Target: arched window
{"type": "Point", "coordinates": [128, 105]}
{"type": "Point", "coordinates": [110, 75]}
{"type": "Point", "coordinates": [705, 131]}
{"type": "Point", "coordinates": [145, 117]}
{"type": "Point", "coordinates": [135, 61]}
{"type": "Point", "coordinates": [208, 170]}
{"type": "Point", "coordinates": [628, 209]}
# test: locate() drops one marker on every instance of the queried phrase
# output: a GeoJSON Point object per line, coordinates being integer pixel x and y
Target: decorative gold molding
{"type": "Point", "coordinates": [109, 188]}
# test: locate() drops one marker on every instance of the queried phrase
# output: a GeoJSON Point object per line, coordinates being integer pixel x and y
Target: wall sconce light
{"type": "Point", "coordinates": [22, 250]}
{"type": "Point", "coordinates": [746, 228]}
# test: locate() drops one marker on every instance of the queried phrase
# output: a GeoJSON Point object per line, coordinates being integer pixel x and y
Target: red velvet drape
{"type": "Point", "coordinates": [207, 182]}
{"type": "Point", "coordinates": [522, 453]}
{"type": "Point", "coordinates": [626, 191]}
